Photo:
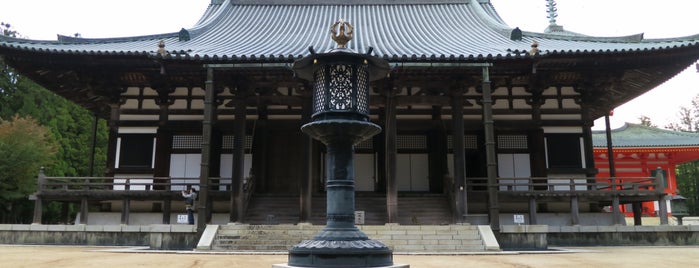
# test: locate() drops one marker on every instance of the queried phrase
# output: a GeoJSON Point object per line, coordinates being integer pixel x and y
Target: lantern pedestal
{"type": "Point", "coordinates": [340, 243]}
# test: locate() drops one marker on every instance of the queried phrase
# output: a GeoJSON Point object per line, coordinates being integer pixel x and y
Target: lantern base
{"type": "Point", "coordinates": [334, 253]}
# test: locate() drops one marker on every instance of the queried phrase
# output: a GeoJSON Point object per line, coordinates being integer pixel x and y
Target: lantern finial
{"type": "Point", "coordinates": [345, 34]}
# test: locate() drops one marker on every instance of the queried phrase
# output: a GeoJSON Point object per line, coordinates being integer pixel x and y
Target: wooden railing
{"type": "Point", "coordinates": [570, 184]}
{"type": "Point", "coordinates": [125, 183]}
{"type": "Point", "coordinates": [532, 184]}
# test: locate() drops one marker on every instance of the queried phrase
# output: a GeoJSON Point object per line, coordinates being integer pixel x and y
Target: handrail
{"type": "Point", "coordinates": [571, 184]}
{"type": "Point", "coordinates": [529, 184]}
{"type": "Point", "coordinates": [122, 183]}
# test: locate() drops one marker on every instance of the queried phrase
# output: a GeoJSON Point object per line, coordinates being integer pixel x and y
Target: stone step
{"type": "Point", "coordinates": [412, 210]}
{"type": "Point", "coordinates": [401, 238]}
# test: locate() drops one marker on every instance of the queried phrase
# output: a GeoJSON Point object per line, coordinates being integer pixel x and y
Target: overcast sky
{"type": "Point", "coordinates": [44, 19]}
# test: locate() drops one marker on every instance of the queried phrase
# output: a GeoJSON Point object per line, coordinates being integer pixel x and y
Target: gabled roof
{"type": "Point", "coordinates": [634, 135]}
{"type": "Point", "coordinates": [408, 30]}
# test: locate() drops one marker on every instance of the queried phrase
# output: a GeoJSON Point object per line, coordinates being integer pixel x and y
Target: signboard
{"type": "Point", "coordinates": [182, 218]}
{"type": "Point", "coordinates": [359, 217]}
{"type": "Point", "coordinates": [519, 218]}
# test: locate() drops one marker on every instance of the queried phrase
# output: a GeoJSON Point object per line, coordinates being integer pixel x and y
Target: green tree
{"type": "Point", "coordinates": [69, 126]}
{"type": "Point", "coordinates": [688, 173]}
{"type": "Point", "coordinates": [25, 146]}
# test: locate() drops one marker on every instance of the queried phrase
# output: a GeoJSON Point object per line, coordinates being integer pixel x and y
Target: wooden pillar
{"type": "Point", "coordinates": [380, 148]}
{"type": "Point", "coordinates": [237, 194]}
{"type": "Point", "coordinates": [662, 210]}
{"type": "Point", "coordinates": [532, 211]}
{"type": "Point", "coordinates": [637, 213]}
{"type": "Point", "coordinates": [259, 151]}
{"type": "Point", "coordinates": [612, 169]}
{"type": "Point", "coordinates": [391, 156]}
{"type": "Point", "coordinates": [437, 152]}
{"type": "Point", "coordinates": [574, 210]}
{"type": "Point", "coordinates": [113, 125]}
{"type": "Point", "coordinates": [38, 209]}
{"type": "Point", "coordinates": [491, 162]}
{"type": "Point", "coordinates": [306, 183]}
{"type": "Point", "coordinates": [216, 147]}
{"type": "Point", "coordinates": [167, 210]}
{"type": "Point", "coordinates": [38, 202]}
{"type": "Point", "coordinates": [93, 145]}
{"type": "Point", "coordinates": [589, 160]}
{"type": "Point", "coordinates": [163, 145]}
{"type": "Point", "coordinates": [65, 212]}
{"type": "Point", "coordinates": [662, 203]}
{"type": "Point", "coordinates": [125, 210]}
{"type": "Point", "coordinates": [457, 119]}
{"type": "Point", "coordinates": [207, 126]}
{"type": "Point", "coordinates": [83, 210]}
{"type": "Point", "coordinates": [616, 213]}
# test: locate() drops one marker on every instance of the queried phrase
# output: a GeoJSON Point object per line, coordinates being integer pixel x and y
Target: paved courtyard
{"type": "Point", "coordinates": [101, 257]}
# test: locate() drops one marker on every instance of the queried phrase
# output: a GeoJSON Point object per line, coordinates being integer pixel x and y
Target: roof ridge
{"type": "Point", "coordinates": [636, 38]}
{"type": "Point", "coordinates": [630, 126]}
{"type": "Point", "coordinates": [79, 40]}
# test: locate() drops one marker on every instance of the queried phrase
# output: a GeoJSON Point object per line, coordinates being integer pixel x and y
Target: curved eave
{"type": "Point", "coordinates": [460, 31]}
{"type": "Point", "coordinates": [185, 55]}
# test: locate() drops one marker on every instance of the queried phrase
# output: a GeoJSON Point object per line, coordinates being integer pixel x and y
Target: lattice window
{"type": "Point", "coordinates": [512, 142]}
{"type": "Point", "coordinates": [194, 142]}
{"type": "Point", "coordinates": [228, 142]}
{"type": "Point", "coordinates": [411, 142]}
{"type": "Point", "coordinates": [186, 142]}
{"type": "Point", "coordinates": [470, 142]}
{"type": "Point", "coordinates": [366, 145]}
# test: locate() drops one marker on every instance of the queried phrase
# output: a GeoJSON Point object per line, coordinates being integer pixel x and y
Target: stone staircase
{"type": "Point", "coordinates": [415, 209]}
{"type": "Point", "coordinates": [424, 209]}
{"type": "Point", "coordinates": [401, 238]}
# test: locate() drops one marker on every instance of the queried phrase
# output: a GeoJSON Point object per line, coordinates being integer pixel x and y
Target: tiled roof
{"type": "Point", "coordinates": [411, 30]}
{"type": "Point", "coordinates": [634, 135]}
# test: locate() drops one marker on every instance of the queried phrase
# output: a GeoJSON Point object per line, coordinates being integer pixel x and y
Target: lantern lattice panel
{"type": "Point", "coordinates": [319, 91]}
{"type": "Point", "coordinates": [340, 87]}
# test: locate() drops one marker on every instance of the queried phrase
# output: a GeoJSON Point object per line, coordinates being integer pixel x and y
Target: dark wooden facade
{"type": "Point", "coordinates": [504, 128]}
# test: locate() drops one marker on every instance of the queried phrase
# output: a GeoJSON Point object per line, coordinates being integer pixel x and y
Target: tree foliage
{"type": "Point", "coordinates": [25, 146]}
{"type": "Point", "coordinates": [68, 125]}
{"type": "Point", "coordinates": [688, 173]}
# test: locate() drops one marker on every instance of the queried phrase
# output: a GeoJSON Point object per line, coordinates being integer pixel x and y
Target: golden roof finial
{"type": "Point", "coordinates": [345, 34]}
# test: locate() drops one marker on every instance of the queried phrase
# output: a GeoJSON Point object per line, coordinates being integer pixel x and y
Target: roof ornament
{"type": "Point", "coordinates": [161, 48]}
{"type": "Point", "coordinates": [552, 14]}
{"type": "Point", "coordinates": [516, 34]}
{"type": "Point", "coordinates": [551, 9]}
{"type": "Point", "coordinates": [184, 35]}
{"type": "Point", "coordinates": [345, 34]}
{"type": "Point", "coordinates": [535, 48]}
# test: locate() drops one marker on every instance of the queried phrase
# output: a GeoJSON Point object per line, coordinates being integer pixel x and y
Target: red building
{"type": "Point", "coordinates": [640, 151]}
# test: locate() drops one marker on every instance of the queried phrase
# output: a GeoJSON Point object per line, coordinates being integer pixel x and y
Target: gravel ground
{"type": "Point", "coordinates": [104, 257]}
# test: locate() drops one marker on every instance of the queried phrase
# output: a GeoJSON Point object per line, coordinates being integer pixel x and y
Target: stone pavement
{"type": "Point", "coordinates": [104, 257]}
